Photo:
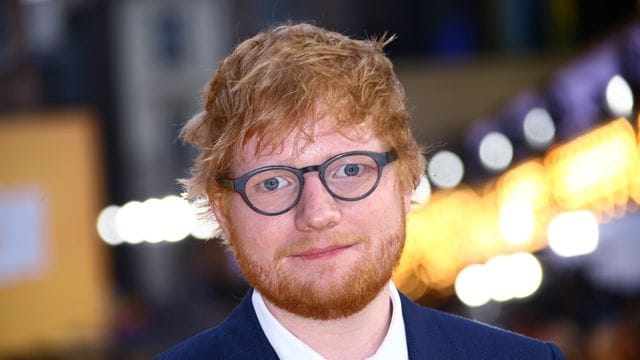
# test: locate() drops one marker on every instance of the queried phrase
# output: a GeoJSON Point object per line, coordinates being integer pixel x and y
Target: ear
{"type": "Point", "coordinates": [421, 194]}
{"type": "Point", "coordinates": [221, 219]}
{"type": "Point", "coordinates": [407, 201]}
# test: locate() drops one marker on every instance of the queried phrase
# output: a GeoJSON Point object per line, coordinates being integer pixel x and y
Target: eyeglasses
{"type": "Point", "coordinates": [274, 190]}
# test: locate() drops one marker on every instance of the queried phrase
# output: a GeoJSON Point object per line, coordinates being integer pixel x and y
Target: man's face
{"type": "Point", "coordinates": [326, 258]}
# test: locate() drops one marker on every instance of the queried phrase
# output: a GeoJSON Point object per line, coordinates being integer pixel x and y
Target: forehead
{"type": "Point", "coordinates": [310, 145]}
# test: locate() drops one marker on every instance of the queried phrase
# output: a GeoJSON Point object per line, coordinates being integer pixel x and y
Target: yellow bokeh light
{"type": "Point", "coordinates": [595, 169]}
{"type": "Point", "coordinates": [470, 286]}
{"type": "Point", "coordinates": [517, 222]}
{"type": "Point", "coordinates": [525, 183]}
{"type": "Point", "coordinates": [524, 197]}
{"type": "Point", "coordinates": [599, 172]}
{"type": "Point", "coordinates": [574, 233]}
{"type": "Point", "coordinates": [635, 182]}
{"type": "Point", "coordinates": [502, 278]}
{"type": "Point", "coordinates": [529, 274]}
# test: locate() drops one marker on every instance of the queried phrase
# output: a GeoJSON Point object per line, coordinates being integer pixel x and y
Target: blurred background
{"type": "Point", "coordinates": [527, 217]}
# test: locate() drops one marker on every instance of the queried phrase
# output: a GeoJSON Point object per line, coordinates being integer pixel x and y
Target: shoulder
{"type": "Point", "coordinates": [238, 337]}
{"type": "Point", "coordinates": [201, 346]}
{"type": "Point", "coordinates": [454, 336]}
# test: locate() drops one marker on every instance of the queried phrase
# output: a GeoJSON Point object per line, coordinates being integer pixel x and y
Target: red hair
{"type": "Point", "coordinates": [272, 82]}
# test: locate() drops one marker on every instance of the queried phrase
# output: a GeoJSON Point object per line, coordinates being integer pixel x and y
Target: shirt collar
{"type": "Point", "coordinates": [288, 346]}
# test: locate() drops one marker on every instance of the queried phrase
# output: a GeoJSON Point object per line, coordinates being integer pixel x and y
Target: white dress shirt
{"type": "Point", "coordinates": [288, 347]}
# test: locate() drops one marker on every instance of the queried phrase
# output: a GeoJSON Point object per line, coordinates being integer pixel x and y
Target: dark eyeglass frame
{"type": "Point", "coordinates": [238, 184]}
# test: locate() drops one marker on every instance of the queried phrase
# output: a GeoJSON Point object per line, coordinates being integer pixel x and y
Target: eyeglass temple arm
{"type": "Point", "coordinates": [391, 156]}
{"type": "Point", "coordinates": [226, 183]}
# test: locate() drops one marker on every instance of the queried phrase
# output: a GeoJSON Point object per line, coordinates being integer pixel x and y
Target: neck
{"type": "Point", "coordinates": [356, 336]}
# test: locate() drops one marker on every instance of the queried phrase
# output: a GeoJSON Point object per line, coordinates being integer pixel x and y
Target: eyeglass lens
{"type": "Point", "coordinates": [348, 178]}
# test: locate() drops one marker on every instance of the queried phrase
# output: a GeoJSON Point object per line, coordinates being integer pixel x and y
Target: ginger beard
{"type": "Point", "coordinates": [334, 291]}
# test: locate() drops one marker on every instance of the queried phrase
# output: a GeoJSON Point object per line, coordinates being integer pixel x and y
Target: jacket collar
{"type": "Point", "coordinates": [241, 336]}
{"type": "Point", "coordinates": [426, 335]}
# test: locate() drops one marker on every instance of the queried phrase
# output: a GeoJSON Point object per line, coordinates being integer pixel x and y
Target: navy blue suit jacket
{"type": "Point", "coordinates": [431, 334]}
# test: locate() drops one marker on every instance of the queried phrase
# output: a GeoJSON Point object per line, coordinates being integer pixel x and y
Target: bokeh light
{"type": "Point", "coordinates": [128, 221]}
{"type": "Point", "coordinates": [496, 151]}
{"type": "Point", "coordinates": [171, 218]}
{"type": "Point", "coordinates": [619, 97]}
{"type": "Point", "coordinates": [502, 278]}
{"type": "Point", "coordinates": [598, 171]}
{"type": "Point", "coordinates": [205, 225]}
{"type": "Point", "coordinates": [595, 169]}
{"type": "Point", "coordinates": [151, 223]}
{"type": "Point", "coordinates": [106, 225]}
{"type": "Point", "coordinates": [526, 183]}
{"type": "Point", "coordinates": [517, 222]}
{"type": "Point", "coordinates": [528, 271]}
{"type": "Point", "coordinates": [181, 216]}
{"type": "Point", "coordinates": [573, 233]}
{"type": "Point", "coordinates": [635, 181]}
{"type": "Point", "coordinates": [445, 169]}
{"type": "Point", "coordinates": [422, 192]}
{"type": "Point", "coordinates": [538, 128]}
{"type": "Point", "coordinates": [470, 287]}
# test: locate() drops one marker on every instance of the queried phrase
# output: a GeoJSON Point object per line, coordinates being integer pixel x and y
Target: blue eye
{"type": "Point", "coordinates": [273, 183]}
{"type": "Point", "coordinates": [350, 170]}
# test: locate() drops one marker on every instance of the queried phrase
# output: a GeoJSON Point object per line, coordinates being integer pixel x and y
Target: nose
{"type": "Point", "coordinates": [317, 209]}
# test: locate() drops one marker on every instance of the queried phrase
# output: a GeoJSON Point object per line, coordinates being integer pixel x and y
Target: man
{"type": "Point", "coordinates": [308, 164]}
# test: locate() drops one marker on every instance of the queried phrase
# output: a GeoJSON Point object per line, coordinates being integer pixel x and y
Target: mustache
{"type": "Point", "coordinates": [338, 239]}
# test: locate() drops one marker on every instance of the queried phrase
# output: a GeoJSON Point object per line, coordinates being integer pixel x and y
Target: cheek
{"type": "Point", "coordinates": [374, 212]}
{"type": "Point", "coordinates": [386, 205]}
{"type": "Point", "coordinates": [242, 222]}
{"type": "Point", "coordinates": [255, 232]}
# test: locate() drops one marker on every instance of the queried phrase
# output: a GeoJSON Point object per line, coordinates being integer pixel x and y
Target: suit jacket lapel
{"type": "Point", "coordinates": [241, 336]}
{"type": "Point", "coordinates": [425, 337]}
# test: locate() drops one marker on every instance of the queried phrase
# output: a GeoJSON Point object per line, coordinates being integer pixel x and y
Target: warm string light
{"type": "Point", "coordinates": [573, 233]}
{"type": "Point", "coordinates": [169, 219]}
{"type": "Point", "coordinates": [635, 182]}
{"type": "Point", "coordinates": [537, 203]}
{"type": "Point", "coordinates": [502, 278]}
{"type": "Point", "coordinates": [596, 169]}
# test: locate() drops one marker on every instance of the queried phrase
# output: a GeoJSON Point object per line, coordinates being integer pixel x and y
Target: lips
{"type": "Point", "coordinates": [321, 253]}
